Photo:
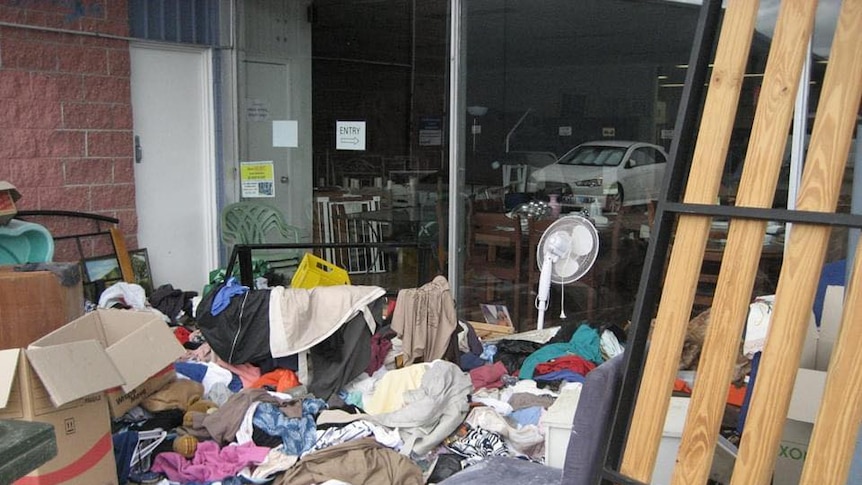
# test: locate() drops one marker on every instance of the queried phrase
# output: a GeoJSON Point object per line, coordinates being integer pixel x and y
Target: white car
{"type": "Point", "coordinates": [614, 173]}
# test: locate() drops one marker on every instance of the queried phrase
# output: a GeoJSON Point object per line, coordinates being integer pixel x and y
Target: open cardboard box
{"type": "Point", "coordinates": [60, 379]}
{"type": "Point", "coordinates": [808, 389]}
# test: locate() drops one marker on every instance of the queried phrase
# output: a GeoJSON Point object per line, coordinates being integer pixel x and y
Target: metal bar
{"type": "Point", "coordinates": [242, 253]}
{"type": "Point", "coordinates": [78, 236]}
{"type": "Point", "coordinates": [246, 276]}
{"type": "Point", "coordinates": [677, 165]}
{"type": "Point", "coordinates": [83, 215]}
{"type": "Point", "coordinates": [233, 257]}
{"type": "Point", "coordinates": [780, 215]}
{"type": "Point", "coordinates": [619, 479]}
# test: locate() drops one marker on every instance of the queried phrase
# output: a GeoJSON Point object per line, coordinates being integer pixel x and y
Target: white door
{"type": "Point", "coordinates": [174, 179]}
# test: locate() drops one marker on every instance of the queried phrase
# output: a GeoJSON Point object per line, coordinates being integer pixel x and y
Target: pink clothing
{"type": "Point", "coordinates": [210, 462]}
{"type": "Point", "coordinates": [247, 373]}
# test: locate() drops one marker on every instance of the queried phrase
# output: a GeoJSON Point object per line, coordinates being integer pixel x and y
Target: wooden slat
{"type": "Point", "coordinates": [122, 255]}
{"type": "Point", "coordinates": [692, 232]}
{"type": "Point", "coordinates": [830, 450]}
{"type": "Point", "coordinates": [829, 454]}
{"type": "Point", "coordinates": [745, 240]}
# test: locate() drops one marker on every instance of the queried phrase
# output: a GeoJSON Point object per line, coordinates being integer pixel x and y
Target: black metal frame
{"type": "Point", "coordinates": [668, 207]}
{"type": "Point", "coordinates": [242, 253]}
{"type": "Point", "coordinates": [96, 218]}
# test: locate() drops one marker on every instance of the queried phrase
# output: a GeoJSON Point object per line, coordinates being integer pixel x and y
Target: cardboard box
{"type": "Point", "coordinates": [8, 196]}
{"type": "Point", "coordinates": [60, 379]}
{"type": "Point", "coordinates": [34, 303]}
{"type": "Point", "coordinates": [120, 401]}
{"type": "Point", "coordinates": [808, 389]}
{"type": "Point", "coordinates": [138, 345]}
{"type": "Point", "coordinates": [558, 429]}
{"type": "Point", "coordinates": [82, 426]}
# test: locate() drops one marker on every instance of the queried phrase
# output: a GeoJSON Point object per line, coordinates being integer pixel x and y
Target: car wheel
{"type": "Point", "coordinates": [613, 203]}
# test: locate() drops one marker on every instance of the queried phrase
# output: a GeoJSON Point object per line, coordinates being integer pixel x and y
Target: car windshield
{"type": "Point", "coordinates": [594, 156]}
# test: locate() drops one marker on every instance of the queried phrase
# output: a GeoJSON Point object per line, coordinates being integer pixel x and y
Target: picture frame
{"type": "Point", "coordinates": [141, 269]}
{"type": "Point", "coordinates": [496, 314]}
{"type": "Point", "coordinates": [102, 268]}
{"type": "Point", "coordinates": [104, 271]}
{"type": "Point", "coordinates": [99, 273]}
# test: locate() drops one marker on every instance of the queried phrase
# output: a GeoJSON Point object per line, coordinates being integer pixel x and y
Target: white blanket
{"type": "Point", "coordinates": [302, 318]}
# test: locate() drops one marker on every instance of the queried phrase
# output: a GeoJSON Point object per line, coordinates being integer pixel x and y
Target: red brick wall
{"type": "Point", "coordinates": [65, 113]}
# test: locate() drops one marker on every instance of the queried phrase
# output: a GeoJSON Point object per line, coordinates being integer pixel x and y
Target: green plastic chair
{"type": "Point", "coordinates": [259, 223]}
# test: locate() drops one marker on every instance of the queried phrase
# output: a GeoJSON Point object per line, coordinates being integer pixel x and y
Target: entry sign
{"type": "Point", "coordinates": [350, 135]}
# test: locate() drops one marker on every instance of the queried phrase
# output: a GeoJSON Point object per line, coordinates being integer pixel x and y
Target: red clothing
{"type": "Point", "coordinates": [489, 376]}
{"type": "Point", "coordinates": [575, 363]}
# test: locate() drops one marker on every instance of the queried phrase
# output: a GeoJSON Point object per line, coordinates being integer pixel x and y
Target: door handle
{"type": "Point", "coordinates": [139, 151]}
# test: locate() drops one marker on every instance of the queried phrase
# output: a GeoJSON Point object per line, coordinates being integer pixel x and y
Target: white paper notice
{"type": "Point", "coordinates": [350, 135]}
{"type": "Point", "coordinates": [285, 133]}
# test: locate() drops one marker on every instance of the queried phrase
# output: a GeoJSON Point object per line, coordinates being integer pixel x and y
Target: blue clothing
{"type": "Point", "coordinates": [125, 443]}
{"type": "Point", "coordinates": [228, 291]}
{"type": "Point", "coordinates": [192, 370]}
{"type": "Point", "coordinates": [567, 375]}
{"type": "Point", "coordinates": [235, 384]}
{"type": "Point", "coordinates": [526, 416]}
{"type": "Point", "coordinates": [297, 434]}
{"type": "Point", "coordinates": [832, 274]}
{"type": "Point", "coordinates": [585, 342]}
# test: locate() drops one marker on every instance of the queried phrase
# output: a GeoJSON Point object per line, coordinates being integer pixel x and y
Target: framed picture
{"type": "Point", "coordinates": [141, 269]}
{"type": "Point", "coordinates": [102, 268]}
{"type": "Point", "coordinates": [496, 314]}
{"type": "Point", "coordinates": [103, 271]}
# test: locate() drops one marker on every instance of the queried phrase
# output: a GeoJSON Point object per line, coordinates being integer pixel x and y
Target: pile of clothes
{"type": "Point", "coordinates": [347, 385]}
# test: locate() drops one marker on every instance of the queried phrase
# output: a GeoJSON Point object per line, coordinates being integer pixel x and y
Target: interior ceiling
{"type": "Point", "coordinates": [587, 32]}
{"type": "Point", "coordinates": [528, 33]}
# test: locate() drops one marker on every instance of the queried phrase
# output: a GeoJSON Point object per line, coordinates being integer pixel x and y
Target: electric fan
{"type": "Point", "coordinates": [566, 251]}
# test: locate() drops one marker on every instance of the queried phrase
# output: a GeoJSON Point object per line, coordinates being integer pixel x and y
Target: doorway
{"type": "Point", "coordinates": [174, 172]}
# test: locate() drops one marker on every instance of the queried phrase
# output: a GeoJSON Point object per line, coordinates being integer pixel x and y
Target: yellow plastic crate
{"type": "Point", "coordinates": [314, 271]}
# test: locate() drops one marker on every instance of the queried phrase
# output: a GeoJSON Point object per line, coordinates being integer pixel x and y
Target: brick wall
{"type": "Point", "coordinates": [65, 113]}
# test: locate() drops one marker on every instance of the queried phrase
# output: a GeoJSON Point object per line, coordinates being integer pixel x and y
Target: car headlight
{"type": "Point", "coordinates": [589, 183]}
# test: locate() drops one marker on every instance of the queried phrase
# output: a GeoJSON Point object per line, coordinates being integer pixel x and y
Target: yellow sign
{"type": "Point", "coordinates": [256, 179]}
{"type": "Point", "coordinates": [256, 171]}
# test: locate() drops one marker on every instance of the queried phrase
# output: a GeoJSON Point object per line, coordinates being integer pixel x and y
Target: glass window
{"type": "Point", "coordinates": [535, 80]}
{"type": "Point", "coordinates": [552, 76]}
{"type": "Point", "coordinates": [348, 102]}
{"type": "Point", "coordinates": [647, 156]}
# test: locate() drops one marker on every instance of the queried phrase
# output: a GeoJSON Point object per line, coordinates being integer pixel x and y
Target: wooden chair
{"type": "Point", "coordinates": [333, 224]}
{"type": "Point", "coordinates": [495, 256]}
